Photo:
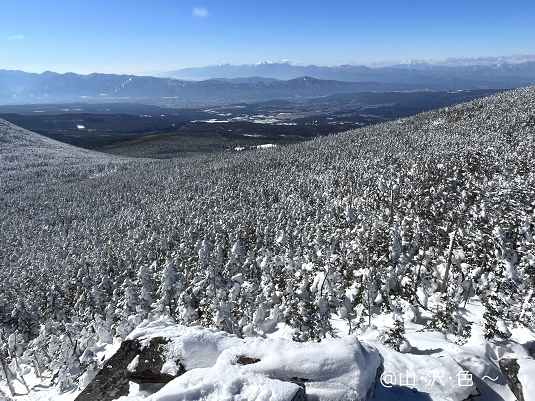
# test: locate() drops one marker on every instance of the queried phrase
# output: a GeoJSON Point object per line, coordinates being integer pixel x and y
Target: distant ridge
{"type": "Point", "coordinates": [51, 87]}
{"type": "Point", "coordinates": [411, 71]}
{"type": "Point", "coordinates": [257, 82]}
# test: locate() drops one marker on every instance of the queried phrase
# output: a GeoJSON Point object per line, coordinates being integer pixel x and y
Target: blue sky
{"type": "Point", "coordinates": [137, 37]}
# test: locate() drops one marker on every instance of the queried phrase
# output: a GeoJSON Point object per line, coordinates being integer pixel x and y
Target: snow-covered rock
{"type": "Point", "coordinates": [230, 383]}
{"type": "Point", "coordinates": [111, 381]}
{"type": "Point", "coordinates": [334, 369]}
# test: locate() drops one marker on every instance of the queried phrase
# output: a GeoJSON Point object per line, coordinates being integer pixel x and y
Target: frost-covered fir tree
{"type": "Point", "coordinates": [170, 287]}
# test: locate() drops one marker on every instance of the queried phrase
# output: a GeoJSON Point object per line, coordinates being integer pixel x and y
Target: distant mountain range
{"type": "Point", "coordinates": [256, 82]}
{"type": "Point", "coordinates": [482, 76]}
{"type": "Point", "coordinates": [48, 87]}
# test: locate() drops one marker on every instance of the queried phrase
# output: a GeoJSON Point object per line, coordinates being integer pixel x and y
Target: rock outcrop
{"type": "Point", "coordinates": [150, 362]}
{"type": "Point", "coordinates": [196, 360]}
{"type": "Point", "coordinates": [510, 369]}
{"type": "Point", "coordinates": [111, 381]}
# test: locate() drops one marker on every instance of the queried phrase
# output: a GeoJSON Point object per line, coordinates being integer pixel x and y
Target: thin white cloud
{"type": "Point", "coordinates": [200, 12]}
{"type": "Point", "coordinates": [461, 61]}
{"type": "Point", "coordinates": [468, 61]}
{"type": "Point", "coordinates": [15, 37]}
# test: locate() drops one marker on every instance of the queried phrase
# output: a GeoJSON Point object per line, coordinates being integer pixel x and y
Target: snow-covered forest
{"type": "Point", "coordinates": [412, 220]}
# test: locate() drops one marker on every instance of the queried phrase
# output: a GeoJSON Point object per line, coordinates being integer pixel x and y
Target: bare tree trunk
{"type": "Point", "coordinates": [419, 272]}
{"type": "Point", "coordinates": [369, 308]}
{"type": "Point", "coordinates": [448, 264]}
{"type": "Point", "coordinates": [171, 312]}
{"type": "Point", "coordinates": [36, 367]}
{"type": "Point", "coordinates": [468, 293]}
{"type": "Point", "coordinates": [7, 372]}
{"type": "Point", "coordinates": [20, 377]}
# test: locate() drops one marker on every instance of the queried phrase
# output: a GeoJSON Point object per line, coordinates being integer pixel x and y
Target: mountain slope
{"type": "Point", "coordinates": [416, 234]}
{"type": "Point", "coordinates": [23, 150]}
{"type": "Point", "coordinates": [12, 82]}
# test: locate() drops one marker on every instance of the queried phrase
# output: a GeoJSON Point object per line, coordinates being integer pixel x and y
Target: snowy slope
{"type": "Point", "coordinates": [415, 236]}
{"type": "Point", "coordinates": [23, 150]}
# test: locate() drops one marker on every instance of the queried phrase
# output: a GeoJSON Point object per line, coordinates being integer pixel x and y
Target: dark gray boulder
{"type": "Point", "coordinates": [510, 368]}
{"type": "Point", "coordinates": [150, 364]}
{"type": "Point", "coordinates": [245, 360]}
{"type": "Point", "coordinates": [111, 381]}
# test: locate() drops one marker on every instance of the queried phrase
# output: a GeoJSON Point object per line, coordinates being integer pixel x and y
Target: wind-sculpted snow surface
{"type": "Point", "coordinates": [417, 220]}
{"type": "Point", "coordinates": [335, 369]}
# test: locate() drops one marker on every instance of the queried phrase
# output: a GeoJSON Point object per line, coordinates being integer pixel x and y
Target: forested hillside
{"type": "Point", "coordinates": [418, 215]}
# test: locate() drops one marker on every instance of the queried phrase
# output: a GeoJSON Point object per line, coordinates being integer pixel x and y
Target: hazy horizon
{"type": "Point", "coordinates": [450, 62]}
{"type": "Point", "coordinates": [137, 37]}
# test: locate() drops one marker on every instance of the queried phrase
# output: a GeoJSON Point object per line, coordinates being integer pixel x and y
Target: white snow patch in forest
{"type": "Point", "coordinates": [433, 352]}
{"type": "Point", "coordinates": [438, 121]}
{"type": "Point", "coordinates": [210, 121]}
{"type": "Point", "coordinates": [104, 335]}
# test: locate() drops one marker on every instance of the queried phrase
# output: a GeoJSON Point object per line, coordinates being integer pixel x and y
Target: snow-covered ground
{"type": "Point", "coordinates": [39, 152]}
{"type": "Point", "coordinates": [433, 368]}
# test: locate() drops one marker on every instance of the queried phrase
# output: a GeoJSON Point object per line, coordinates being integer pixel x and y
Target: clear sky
{"type": "Point", "coordinates": [147, 36]}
